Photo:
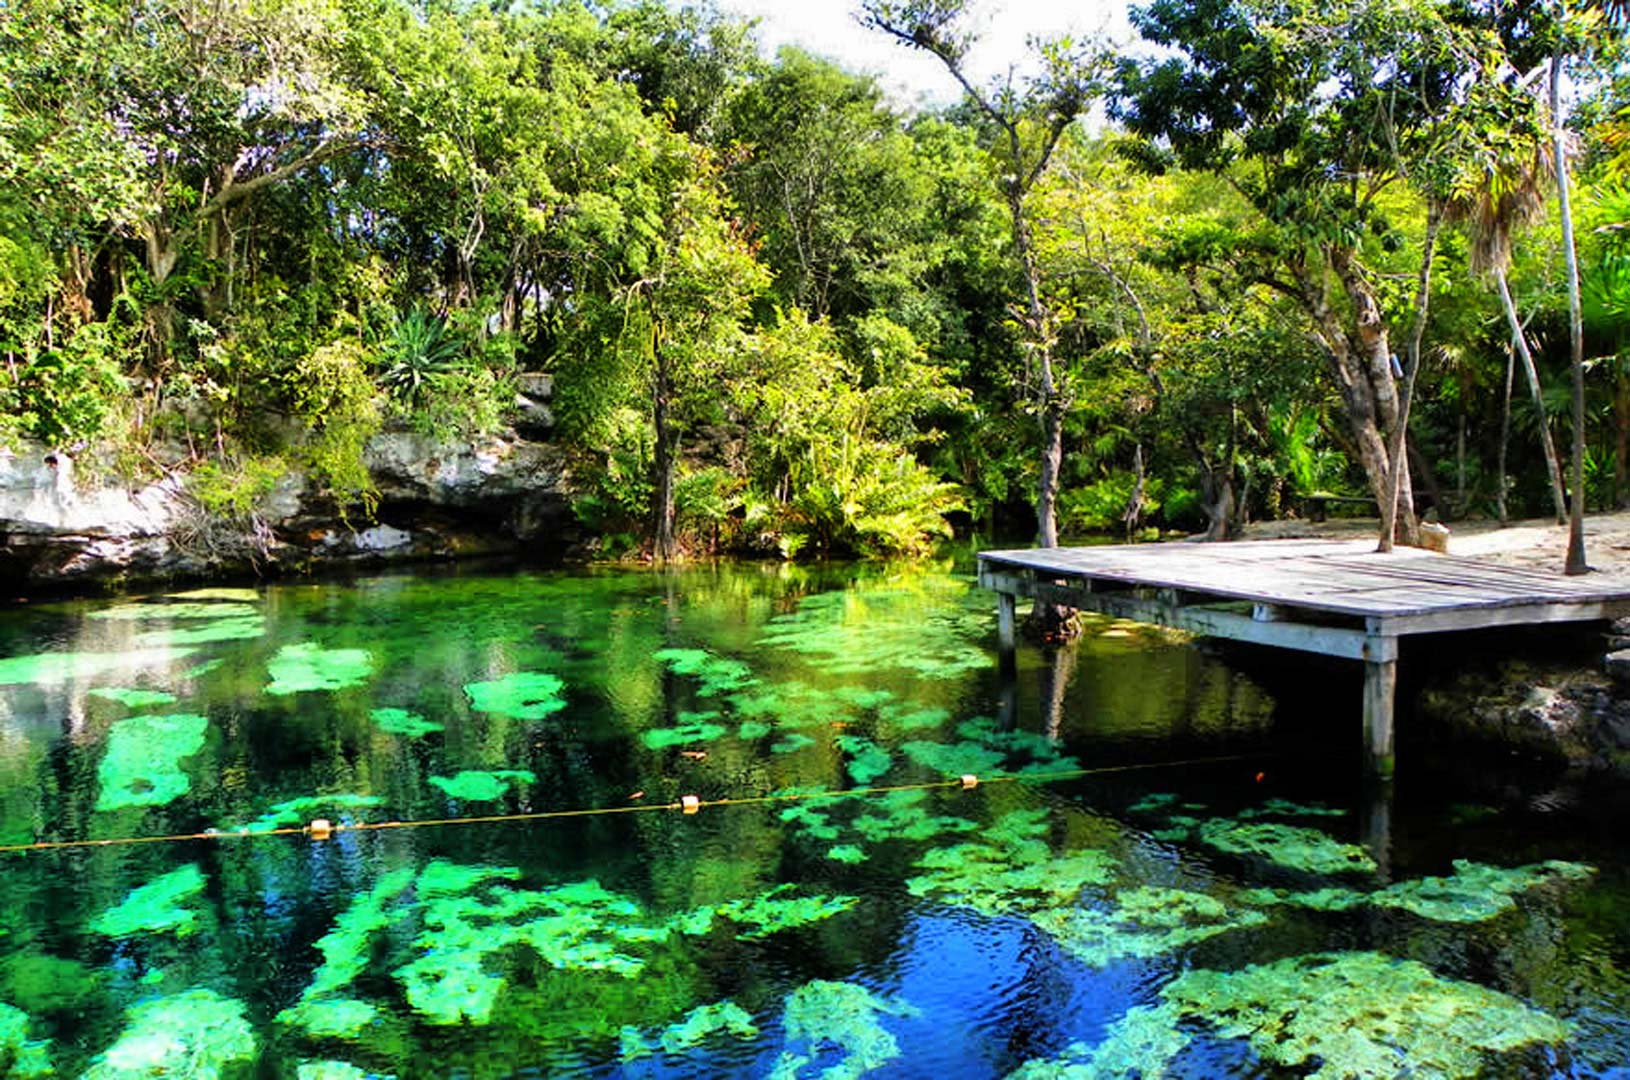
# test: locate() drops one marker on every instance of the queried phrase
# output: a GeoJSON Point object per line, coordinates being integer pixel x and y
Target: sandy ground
{"type": "Point", "coordinates": [1538, 544]}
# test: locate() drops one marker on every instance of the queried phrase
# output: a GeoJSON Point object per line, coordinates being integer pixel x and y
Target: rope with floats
{"type": "Point", "coordinates": [324, 829]}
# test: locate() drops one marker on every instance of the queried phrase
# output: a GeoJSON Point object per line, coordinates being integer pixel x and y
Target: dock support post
{"type": "Point", "coordinates": [1380, 694]}
{"type": "Point", "coordinates": [1006, 608]}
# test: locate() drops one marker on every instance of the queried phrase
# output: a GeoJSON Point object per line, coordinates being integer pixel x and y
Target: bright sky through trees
{"type": "Point", "coordinates": [829, 28]}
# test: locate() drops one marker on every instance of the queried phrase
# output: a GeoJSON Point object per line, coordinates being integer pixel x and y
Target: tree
{"type": "Point", "coordinates": [1313, 112]}
{"type": "Point", "coordinates": [659, 314]}
{"type": "Point", "coordinates": [1025, 126]}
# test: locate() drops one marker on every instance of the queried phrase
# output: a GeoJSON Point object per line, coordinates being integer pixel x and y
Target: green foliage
{"type": "Point", "coordinates": [524, 695]}
{"type": "Point", "coordinates": [333, 393]}
{"type": "Point", "coordinates": [418, 348]}
{"type": "Point", "coordinates": [70, 393]}
{"type": "Point", "coordinates": [142, 764]}
{"type": "Point", "coordinates": [308, 666]}
{"type": "Point", "coordinates": [825, 479]}
{"type": "Point", "coordinates": [155, 908]}
{"type": "Point", "coordinates": [1147, 921]}
{"type": "Point", "coordinates": [236, 490]}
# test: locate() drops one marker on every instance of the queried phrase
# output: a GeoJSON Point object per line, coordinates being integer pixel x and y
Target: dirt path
{"type": "Point", "coordinates": [1537, 544]}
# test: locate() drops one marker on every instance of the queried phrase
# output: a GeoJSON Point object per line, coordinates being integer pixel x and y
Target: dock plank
{"type": "Point", "coordinates": [1347, 578]}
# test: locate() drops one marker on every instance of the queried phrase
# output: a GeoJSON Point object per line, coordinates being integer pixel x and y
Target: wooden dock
{"type": "Point", "coordinates": [1338, 598]}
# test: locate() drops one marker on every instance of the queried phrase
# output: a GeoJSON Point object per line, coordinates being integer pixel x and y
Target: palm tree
{"type": "Point", "coordinates": [1500, 189]}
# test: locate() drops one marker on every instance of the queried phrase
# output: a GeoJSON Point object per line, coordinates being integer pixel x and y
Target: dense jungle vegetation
{"type": "Point", "coordinates": [1178, 286]}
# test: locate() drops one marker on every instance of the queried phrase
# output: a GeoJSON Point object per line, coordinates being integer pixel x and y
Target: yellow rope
{"type": "Point", "coordinates": [546, 815]}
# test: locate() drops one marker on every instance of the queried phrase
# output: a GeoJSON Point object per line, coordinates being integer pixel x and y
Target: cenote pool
{"type": "Point", "coordinates": [1249, 916]}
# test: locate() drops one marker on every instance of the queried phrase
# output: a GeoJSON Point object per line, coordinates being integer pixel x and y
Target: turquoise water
{"type": "Point", "coordinates": [1090, 908]}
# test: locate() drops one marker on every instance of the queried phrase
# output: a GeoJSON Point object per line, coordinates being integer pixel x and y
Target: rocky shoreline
{"type": "Point", "coordinates": [437, 500]}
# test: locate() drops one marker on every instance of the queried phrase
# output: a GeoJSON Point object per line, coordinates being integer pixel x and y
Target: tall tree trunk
{"type": "Point", "coordinates": [1505, 432]}
{"type": "Point", "coordinates": [1048, 400]}
{"type": "Point", "coordinates": [1519, 340]}
{"type": "Point", "coordinates": [1361, 366]}
{"type": "Point", "coordinates": [662, 464]}
{"type": "Point", "coordinates": [1575, 562]}
{"type": "Point", "coordinates": [1397, 455]}
{"type": "Point", "coordinates": [1621, 436]}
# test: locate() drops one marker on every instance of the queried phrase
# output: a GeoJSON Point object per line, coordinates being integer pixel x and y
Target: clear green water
{"type": "Point", "coordinates": [1241, 918]}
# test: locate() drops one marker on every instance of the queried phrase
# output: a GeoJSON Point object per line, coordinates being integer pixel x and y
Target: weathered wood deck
{"type": "Point", "coordinates": [1338, 598]}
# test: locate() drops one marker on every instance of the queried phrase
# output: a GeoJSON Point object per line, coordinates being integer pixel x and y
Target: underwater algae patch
{"type": "Point", "coordinates": [714, 675]}
{"type": "Point", "coordinates": [476, 785]}
{"type": "Point", "coordinates": [394, 721]}
{"type": "Point", "coordinates": [237, 628]}
{"type": "Point", "coordinates": [308, 666]}
{"type": "Point", "coordinates": [1009, 869]}
{"type": "Point", "coordinates": [470, 916]}
{"type": "Point", "coordinates": [878, 629]}
{"type": "Point", "coordinates": [297, 811]}
{"type": "Point", "coordinates": [987, 750]}
{"type": "Point", "coordinates": [844, 1016]}
{"type": "Point", "coordinates": [1146, 921]}
{"type": "Point", "coordinates": [192, 1035]}
{"type": "Point", "coordinates": [20, 1056]}
{"type": "Point", "coordinates": [524, 695]}
{"type": "Point", "coordinates": [698, 1026]}
{"type": "Point", "coordinates": [132, 698]}
{"type": "Point", "coordinates": [155, 908]}
{"type": "Point", "coordinates": [693, 727]}
{"type": "Point", "coordinates": [1475, 892]}
{"type": "Point", "coordinates": [895, 815]}
{"type": "Point", "coordinates": [322, 1010]}
{"type": "Point", "coordinates": [49, 669]}
{"type": "Point", "coordinates": [1350, 1014]}
{"type": "Point", "coordinates": [334, 1070]}
{"type": "Point", "coordinates": [146, 612]}
{"type": "Point", "coordinates": [1291, 846]}
{"type": "Point", "coordinates": [141, 766]}
{"type": "Point", "coordinates": [867, 761]}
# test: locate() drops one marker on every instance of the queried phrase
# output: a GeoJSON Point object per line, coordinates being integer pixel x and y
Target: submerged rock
{"type": "Point", "coordinates": [1558, 710]}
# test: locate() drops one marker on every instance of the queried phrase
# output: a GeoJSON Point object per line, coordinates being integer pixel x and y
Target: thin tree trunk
{"type": "Point", "coordinates": [1519, 339]}
{"type": "Point", "coordinates": [1575, 562]}
{"type": "Point", "coordinates": [1505, 432]}
{"type": "Point", "coordinates": [662, 466]}
{"type": "Point", "coordinates": [1397, 456]}
{"type": "Point", "coordinates": [1621, 437]}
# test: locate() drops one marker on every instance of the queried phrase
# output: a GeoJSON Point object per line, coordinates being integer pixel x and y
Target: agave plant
{"type": "Point", "coordinates": [420, 345]}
